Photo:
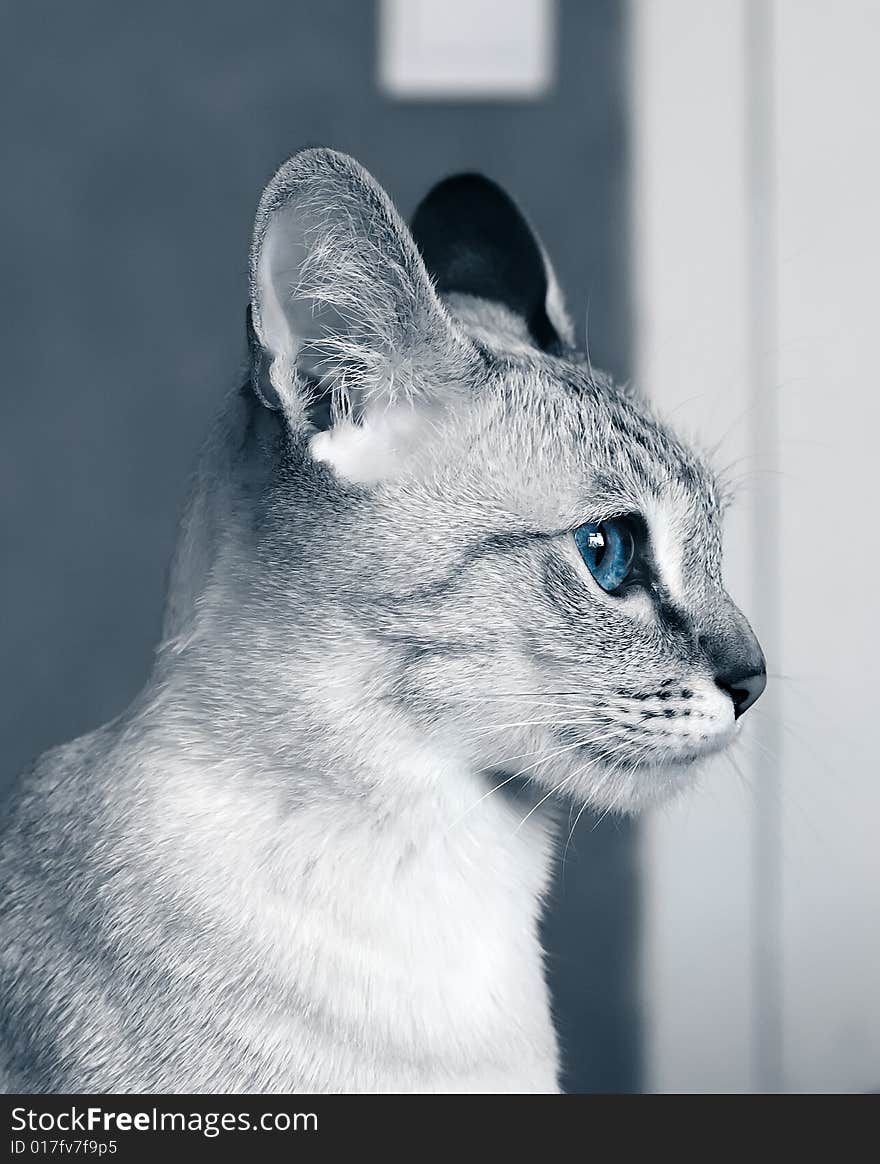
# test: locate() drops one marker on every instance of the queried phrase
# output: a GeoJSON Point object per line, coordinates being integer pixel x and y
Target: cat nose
{"type": "Point", "coordinates": [737, 663]}
{"type": "Point", "coordinates": [743, 687]}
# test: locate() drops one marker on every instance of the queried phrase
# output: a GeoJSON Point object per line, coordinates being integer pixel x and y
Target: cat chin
{"type": "Point", "coordinates": [632, 792]}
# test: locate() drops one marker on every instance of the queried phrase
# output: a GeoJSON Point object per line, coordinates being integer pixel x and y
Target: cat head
{"type": "Point", "coordinates": [510, 550]}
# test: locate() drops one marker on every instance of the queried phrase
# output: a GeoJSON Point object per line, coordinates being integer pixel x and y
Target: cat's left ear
{"type": "Point", "coordinates": [477, 243]}
{"type": "Point", "coordinates": [347, 334]}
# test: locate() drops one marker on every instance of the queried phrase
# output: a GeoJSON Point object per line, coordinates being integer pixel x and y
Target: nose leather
{"type": "Point", "coordinates": [744, 690]}
{"type": "Point", "coordinates": [737, 663]}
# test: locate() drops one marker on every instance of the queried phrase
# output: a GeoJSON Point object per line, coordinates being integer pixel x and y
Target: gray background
{"type": "Point", "coordinates": [137, 140]}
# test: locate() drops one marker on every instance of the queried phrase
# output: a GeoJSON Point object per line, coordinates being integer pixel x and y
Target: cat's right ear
{"type": "Point", "coordinates": [477, 243]}
{"type": "Point", "coordinates": [347, 333]}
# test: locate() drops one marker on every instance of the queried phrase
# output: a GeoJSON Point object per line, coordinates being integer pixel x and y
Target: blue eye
{"type": "Point", "coordinates": [609, 550]}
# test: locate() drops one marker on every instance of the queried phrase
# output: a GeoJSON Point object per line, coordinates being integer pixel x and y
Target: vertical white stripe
{"type": "Point", "coordinates": [827, 96]}
{"type": "Point", "coordinates": [765, 609]}
{"type": "Point", "coordinates": [757, 249]}
{"type": "Point", "coordinates": [691, 276]}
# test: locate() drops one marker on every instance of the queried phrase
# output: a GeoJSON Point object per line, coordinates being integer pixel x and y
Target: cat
{"type": "Point", "coordinates": [429, 552]}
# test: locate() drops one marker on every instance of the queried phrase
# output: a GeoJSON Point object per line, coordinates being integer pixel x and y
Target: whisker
{"type": "Point", "coordinates": [544, 759]}
{"type": "Point", "coordinates": [581, 812]}
{"type": "Point", "coordinates": [535, 807]}
{"type": "Point", "coordinates": [543, 723]}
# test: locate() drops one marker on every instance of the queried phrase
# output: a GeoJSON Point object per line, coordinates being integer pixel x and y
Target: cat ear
{"type": "Point", "coordinates": [476, 242]}
{"type": "Point", "coordinates": [345, 324]}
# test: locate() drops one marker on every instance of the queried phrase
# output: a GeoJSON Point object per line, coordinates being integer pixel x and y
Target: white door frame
{"type": "Point", "coordinates": [710, 963]}
{"type": "Point", "coordinates": [756, 258]}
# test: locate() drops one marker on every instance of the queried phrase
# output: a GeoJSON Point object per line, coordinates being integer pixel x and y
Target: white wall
{"type": "Point", "coordinates": [827, 97]}
{"type": "Point", "coordinates": [756, 247]}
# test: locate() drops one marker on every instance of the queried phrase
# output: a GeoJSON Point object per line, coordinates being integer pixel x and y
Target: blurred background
{"type": "Point", "coordinates": [703, 177]}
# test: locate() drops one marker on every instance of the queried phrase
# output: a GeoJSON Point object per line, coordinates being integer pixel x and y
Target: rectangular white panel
{"type": "Point", "coordinates": [466, 48]}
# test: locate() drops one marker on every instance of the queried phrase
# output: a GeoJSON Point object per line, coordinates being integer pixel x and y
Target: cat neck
{"type": "Point", "coordinates": [398, 897]}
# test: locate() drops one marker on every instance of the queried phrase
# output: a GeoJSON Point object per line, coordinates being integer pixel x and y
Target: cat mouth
{"type": "Point", "coordinates": [646, 758]}
{"type": "Point", "coordinates": [645, 752]}
{"type": "Point", "coordinates": [671, 763]}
